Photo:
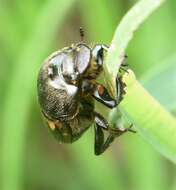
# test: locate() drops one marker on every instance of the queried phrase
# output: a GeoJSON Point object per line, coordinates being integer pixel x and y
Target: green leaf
{"type": "Point", "coordinates": [124, 33]}
{"type": "Point", "coordinates": [152, 121]}
{"type": "Point", "coordinates": [165, 74]}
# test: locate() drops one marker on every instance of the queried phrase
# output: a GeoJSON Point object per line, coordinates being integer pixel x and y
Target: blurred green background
{"type": "Point", "coordinates": [30, 157]}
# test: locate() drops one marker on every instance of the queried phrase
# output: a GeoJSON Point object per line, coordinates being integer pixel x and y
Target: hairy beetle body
{"type": "Point", "coordinates": [67, 88]}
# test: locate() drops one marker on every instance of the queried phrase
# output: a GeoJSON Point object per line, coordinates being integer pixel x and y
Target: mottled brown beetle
{"type": "Point", "coordinates": [67, 88]}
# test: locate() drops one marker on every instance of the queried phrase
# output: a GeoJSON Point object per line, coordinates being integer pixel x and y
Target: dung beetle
{"type": "Point", "coordinates": [67, 88]}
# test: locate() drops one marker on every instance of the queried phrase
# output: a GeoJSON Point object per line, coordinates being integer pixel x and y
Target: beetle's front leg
{"type": "Point", "coordinates": [120, 89]}
{"type": "Point", "coordinates": [101, 124]}
{"type": "Point", "coordinates": [101, 94]}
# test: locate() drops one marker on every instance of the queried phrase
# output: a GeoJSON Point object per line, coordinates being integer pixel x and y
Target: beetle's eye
{"type": "Point", "coordinates": [52, 71]}
{"type": "Point", "coordinates": [98, 53]}
{"type": "Point", "coordinates": [100, 56]}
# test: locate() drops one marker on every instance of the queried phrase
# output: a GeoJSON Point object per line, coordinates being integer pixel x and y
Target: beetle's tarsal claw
{"type": "Point", "coordinates": [117, 131]}
{"type": "Point", "coordinates": [130, 129]}
{"type": "Point", "coordinates": [123, 68]}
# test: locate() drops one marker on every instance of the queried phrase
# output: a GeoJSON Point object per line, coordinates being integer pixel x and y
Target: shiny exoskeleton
{"type": "Point", "coordinates": [67, 88]}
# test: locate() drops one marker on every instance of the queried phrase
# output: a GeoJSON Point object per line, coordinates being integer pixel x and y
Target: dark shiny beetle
{"type": "Point", "coordinates": [67, 88]}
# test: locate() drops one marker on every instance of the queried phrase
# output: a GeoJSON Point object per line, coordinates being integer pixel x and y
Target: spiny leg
{"type": "Point", "coordinates": [120, 85]}
{"type": "Point", "coordinates": [123, 65]}
{"type": "Point", "coordinates": [120, 88]}
{"type": "Point", "coordinates": [101, 94]}
{"type": "Point", "coordinates": [101, 124]}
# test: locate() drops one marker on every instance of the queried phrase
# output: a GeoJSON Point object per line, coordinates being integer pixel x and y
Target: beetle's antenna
{"type": "Point", "coordinates": [81, 31]}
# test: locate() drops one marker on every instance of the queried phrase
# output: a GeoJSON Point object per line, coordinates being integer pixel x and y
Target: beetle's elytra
{"type": "Point", "coordinates": [67, 88]}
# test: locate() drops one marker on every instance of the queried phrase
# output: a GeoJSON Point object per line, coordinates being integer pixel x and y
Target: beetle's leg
{"type": "Point", "coordinates": [120, 88]}
{"type": "Point", "coordinates": [120, 85]}
{"type": "Point", "coordinates": [123, 65]}
{"type": "Point", "coordinates": [101, 124]}
{"type": "Point", "coordinates": [96, 62]}
{"type": "Point", "coordinates": [102, 95]}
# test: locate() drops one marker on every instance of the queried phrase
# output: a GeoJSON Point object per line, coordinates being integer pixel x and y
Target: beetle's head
{"type": "Point", "coordinates": [98, 53]}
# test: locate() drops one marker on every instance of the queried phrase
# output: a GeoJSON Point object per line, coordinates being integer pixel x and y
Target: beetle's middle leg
{"type": "Point", "coordinates": [102, 125]}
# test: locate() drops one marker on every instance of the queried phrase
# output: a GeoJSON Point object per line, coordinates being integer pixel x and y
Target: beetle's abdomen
{"type": "Point", "coordinates": [56, 103]}
{"type": "Point", "coordinates": [71, 130]}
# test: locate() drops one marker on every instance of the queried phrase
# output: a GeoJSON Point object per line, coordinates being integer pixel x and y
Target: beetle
{"type": "Point", "coordinates": [67, 89]}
